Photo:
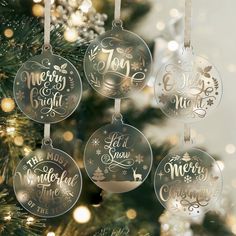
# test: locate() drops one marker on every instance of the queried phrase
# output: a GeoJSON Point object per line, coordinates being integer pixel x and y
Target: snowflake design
{"type": "Point", "coordinates": [163, 98]}
{"type": "Point", "coordinates": [139, 159]}
{"type": "Point", "coordinates": [187, 179]}
{"type": "Point", "coordinates": [135, 66]}
{"type": "Point", "coordinates": [95, 142]}
{"type": "Point", "coordinates": [20, 95]}
{"type": "Point", "coordinates": [124, 172]}
{"type": "Point", "coordinates": [126, 88]}
{"type": "Point", "coordinates": [210, 102]}
{"type": "Point", "coordinates": [98, 152]}
{"type": "Point", "coordinates": [145, 167]}
{"type": "Point", "coordinates": [125, 52]}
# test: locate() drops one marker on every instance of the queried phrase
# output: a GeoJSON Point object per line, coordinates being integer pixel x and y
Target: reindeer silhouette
{"type": "Point", "coordinates": [137, 177]}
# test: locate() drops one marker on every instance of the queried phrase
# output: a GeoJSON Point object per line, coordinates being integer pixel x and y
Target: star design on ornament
{"type": "Point", "coordinates": [160, 174]}
{"type": "Point", "coordinates": [90, 161]}
{"type": "Point", "coordinates": [135, 66]}
{"type": "Point", "coordinates": [98, 152]}
{"type": "Point", "coordinates": [20, 95]}
{"type": "Point", "coordinates": [106, 171]}
{"type": "Point", "coordinates": [163, 98]}
{"type": "Point", "coordinates": [95, 142]}
{"type": "Point", "coordinates": [124, 172]}
{"type": "Point", "coordinates": [139, 159]}
{"type": "Point", "coordinates": [210, 102]}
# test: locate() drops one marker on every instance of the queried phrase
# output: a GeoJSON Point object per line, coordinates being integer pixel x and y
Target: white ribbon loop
{"type": "Point", "coordinates": [187, 23]}
{"type": "Point", "coordinates": [47, 23]}
{"type": "Point", "coordinates": [117, 9]}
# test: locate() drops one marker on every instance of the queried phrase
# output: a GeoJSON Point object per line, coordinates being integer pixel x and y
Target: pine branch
{"type": "Point", "coordinates": [15, 222]}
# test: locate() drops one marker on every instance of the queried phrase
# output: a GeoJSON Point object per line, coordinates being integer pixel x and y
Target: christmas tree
{"type": "Point", "coordinates": [96, 213]}
{"type": "Point", "coordinates": [98, 175]}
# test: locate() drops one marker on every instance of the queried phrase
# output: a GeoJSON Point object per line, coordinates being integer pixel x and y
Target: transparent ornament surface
{"type": "Point", "coordinates": [47, 182]}
{"type": "Point", "coordinates": [47, 88]}
{"type": "Point", "coordinates": [188, 182]}
{"type": "Point", "coordinates": [188, 87]}
{"type": "Point", "coordinates": [117, 63]}
{"type": "Point", "coordinates": [118, 157]}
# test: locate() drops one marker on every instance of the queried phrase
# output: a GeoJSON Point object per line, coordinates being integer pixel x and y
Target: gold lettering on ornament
{"type": "Point", "coordinates": [45, 179]}
{"type": "Point", "coordinates": [36, 79]}
{"type": "Point", "coordinates": [194, 84]}
{"type": "Point", "coordinates": [170, 192]}
{"type": "Point", "coordinates": [51, 102]}
{"type": "Point", "coordinates": [182, 102]}
{"type": "Point", "coordinates": [50, 157]}
{"type": "Point", "coordinates": [113, 63]}
{"type": "Point", "coordinates": [179, 170]}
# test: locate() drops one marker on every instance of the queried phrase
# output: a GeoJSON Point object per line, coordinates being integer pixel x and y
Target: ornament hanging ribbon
{"type": "Point", "coordinates": [117, 18]}
{"type": "Point", "coordinates": [187, 23]}
{"type": "Point", "coordinates": [187, 44]}
{"type": "Point", "coordinates": [47, 46]}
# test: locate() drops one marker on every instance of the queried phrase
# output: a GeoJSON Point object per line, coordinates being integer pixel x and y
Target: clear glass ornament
{"type": "Point", "coordinates": [117, 63]}
{"type": "Point", "coordinates": [188, 87]}
{"type": "Point", "coordinates": [118, 157]}
{"type": "Point", "coordinates": [47, 88]}
{"type": "Point", "coordinates": [188, 182]}
{"type": "Point", "coordinates": [47, 182]}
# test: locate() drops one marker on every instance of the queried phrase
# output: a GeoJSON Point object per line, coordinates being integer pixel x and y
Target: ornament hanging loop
{"type": "Point", "coordinates": [47, 140]}
{"type": "Point", "coordinates": [117, 116]}
{"type": "Point", "coordinates": [47, 47]}
{"type": "Point", "coordinates": [117, 24]}
{"type": "Point", "coordinates": [187, 23]}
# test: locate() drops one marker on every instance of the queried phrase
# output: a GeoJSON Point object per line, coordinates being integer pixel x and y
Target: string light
{"type": "Point", "coordinates": [71, 34]}
{"type": "Point", "coordinates": [174, 13]}
{"type": "Point", "coordinates": [7, 104]}
{"type": "Point", "coordinates": [86, 4]}
{"type": "Point", "coordinates": [30, 220]}
{"type": "Point", "coordinates": [160, 25]}
{"type": "Point", "coordinates": [82, 214]}
{"type": "Point", "coordinates": [77, 18]}
{"type": "Point", "coordinates": [8, 217]}
{"type": "Point", "coordinates": [230, 148]}
{"type": "Point", "coordinates": [10, 130]}
{"type": "Point", "coordinates": [68, 136]}
{"type": "Point", "coordinates": [173, 45]}
{"type": "Point", "coordinates": [51, 234]}
{"type": "Point", "coordinates": [131, 214]}
{"type": "Point", "coordinates": [37, 10]}
{"type": "Point", "coordinates": [8, 33]}
{"type": "Point", "coordinates": [27, 150]}
{"type": "Point", "coordinates": [18, 140]}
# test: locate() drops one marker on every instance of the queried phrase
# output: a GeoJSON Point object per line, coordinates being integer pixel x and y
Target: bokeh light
{"type": "Point", "coordinates": [82, 214]}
